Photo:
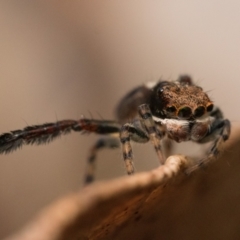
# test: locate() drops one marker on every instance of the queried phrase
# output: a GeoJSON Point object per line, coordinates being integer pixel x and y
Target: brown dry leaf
{"type": "Point", "coordinates": [161, 204]}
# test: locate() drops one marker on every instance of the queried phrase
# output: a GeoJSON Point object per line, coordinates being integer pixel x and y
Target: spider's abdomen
{"type": "Point", "coordinates": [127, 109]}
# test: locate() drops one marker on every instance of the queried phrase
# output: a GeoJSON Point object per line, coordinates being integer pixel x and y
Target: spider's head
{"type": "Point", "coordinates": [179, 100]}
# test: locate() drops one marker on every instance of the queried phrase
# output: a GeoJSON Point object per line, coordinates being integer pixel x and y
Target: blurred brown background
{"type": "Point", "coordinates": [62, 59]}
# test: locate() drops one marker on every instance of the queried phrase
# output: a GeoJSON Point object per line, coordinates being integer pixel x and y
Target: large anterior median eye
{"type": "Point", "coordinates": [171, 109]}
{"type": "Point", "coordinates": [185, 79]}
{"type": "Point", "coordinates": [184, 112]}
{"type": "Point", "coordinates": [199, 111]}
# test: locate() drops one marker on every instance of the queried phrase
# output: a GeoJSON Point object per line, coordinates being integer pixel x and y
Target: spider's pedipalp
{"type": "Point", "coordinates": [221, 132]}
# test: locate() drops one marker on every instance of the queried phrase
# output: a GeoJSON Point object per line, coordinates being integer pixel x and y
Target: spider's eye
{"type": "Point", "coordinates": [160, 91]}
{"type": "Point", "coordinates": [210, 107]}
{"type": "Point", "coordinates": [162, 86]}
{"type": "Point", "coordinates": [185, 79]}
{"type": "Point", "coordinates": [199, 111]}
{"type": "Point", "coordinates": [171, 109]}
{"type": "Point", "coordinates": [185, 112]}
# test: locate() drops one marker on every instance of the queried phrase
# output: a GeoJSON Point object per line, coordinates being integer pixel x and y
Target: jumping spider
{"type": "Point", "coordinates": [178, 110]}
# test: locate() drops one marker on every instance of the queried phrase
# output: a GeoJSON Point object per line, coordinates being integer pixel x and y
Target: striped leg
{"type": "Point", "coordinates": [45, 133]}
{"type": "Point", "coordinates": [127, 132]}
{"type": "Point", "coordinates": [140, 131]}
{"type": "Point", "coordinates": [91, 163]}
{"type": "Point", "coordinates": [167, 146]}
{"type": "Point", "coordinates": [155, 134]}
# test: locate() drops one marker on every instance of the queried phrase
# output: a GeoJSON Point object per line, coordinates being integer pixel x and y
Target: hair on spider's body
{"type": "Point", "coordinates": [178, 110]}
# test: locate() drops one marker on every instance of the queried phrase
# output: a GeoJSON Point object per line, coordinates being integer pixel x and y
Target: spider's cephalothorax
{"type": "Point", "coordinates": [179, 100]}
{"type": "Point", "coordinates": [176, 110]}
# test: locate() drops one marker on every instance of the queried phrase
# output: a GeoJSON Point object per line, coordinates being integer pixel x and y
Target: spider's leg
{"type": "Point", "coordinates": [131, 132]}
{"type": "Point", "coordinates": [220, 131]}
{"type": "Point", "coordinates": [217, 113]}
{"type": "Point", "coordinates": [140, 131]}
{"type": "Point", "coordinates": [42, 134]}
{"type": "Point", "coordinates": [155, 133]}
{"type": "Point", "coordinates": [167, 146]}
{"type": "Point", "coordinates": [36, 134]}
{"type": "Point", "coordinates": [101, 143]}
